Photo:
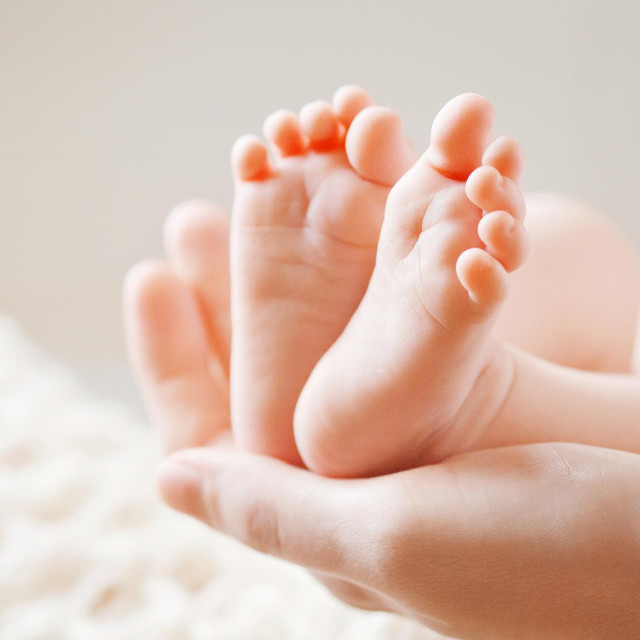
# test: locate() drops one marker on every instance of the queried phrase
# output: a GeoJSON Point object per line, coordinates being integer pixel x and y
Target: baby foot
{"type": "Point", "coordinates": [416, 375]}
{"type": "Point", "coordinates": [303, 243]}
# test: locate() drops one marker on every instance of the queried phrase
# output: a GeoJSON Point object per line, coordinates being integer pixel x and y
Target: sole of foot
{"type": "Point", "coordinates": [305, 228]}
{"type": "Point", "coordinates": [416, 374]}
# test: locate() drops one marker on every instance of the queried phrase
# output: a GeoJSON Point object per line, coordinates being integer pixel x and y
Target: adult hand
{"type": "Point", "coordinates": [540, 541]}
{"type": "Point", "coordinates": [525, 542]}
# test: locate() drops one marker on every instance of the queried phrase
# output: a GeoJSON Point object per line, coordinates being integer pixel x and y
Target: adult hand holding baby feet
{"type": "Point", "coordinates": [534, 512]}
{"type": "Point", "coordinates": [416, 375]}
{"type": "Point", "coordinates": [438, 516]}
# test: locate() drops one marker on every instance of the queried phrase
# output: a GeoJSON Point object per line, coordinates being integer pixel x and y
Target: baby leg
{"type": "Point", "coordinates": [576, 299]}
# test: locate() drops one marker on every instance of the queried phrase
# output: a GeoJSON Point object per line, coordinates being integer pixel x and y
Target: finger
{"type": "Point", "coordinates": [463, 546]}
{"type": "Point", "coordinates": [196, 236]}
{"type": "Point", "coordinates": [511, 525]}
{"type": "Point", "coordinates": [278, 509]}
{"type": "Point", "coordinates": [185, 393]}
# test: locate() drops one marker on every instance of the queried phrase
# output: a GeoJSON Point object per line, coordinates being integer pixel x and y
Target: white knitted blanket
{"type": "Point", "coordinates": [88, 552]}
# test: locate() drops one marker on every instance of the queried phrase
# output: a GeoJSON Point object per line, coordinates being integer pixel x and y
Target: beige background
{"type": "Point", "coordinates": [111, 112]}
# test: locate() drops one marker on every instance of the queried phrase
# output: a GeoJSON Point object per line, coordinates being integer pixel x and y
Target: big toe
{"type": "Point", "coordinates": [460, 135]}
{"type": "Point", "coordinates": [377, 146]}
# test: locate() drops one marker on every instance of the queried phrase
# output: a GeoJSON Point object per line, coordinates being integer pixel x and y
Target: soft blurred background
{"type": "Point", "coordinates": [112, 112]}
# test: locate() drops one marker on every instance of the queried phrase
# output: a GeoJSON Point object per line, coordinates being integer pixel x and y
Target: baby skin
{"type": "Point", "coordinates": [419, 350]}
{"type": "Point", "coordinates": [416, 376]}
{"type": "Point", "coordinates": [304, 239]}
{"type": "Point", "coordinates": [303, 244]}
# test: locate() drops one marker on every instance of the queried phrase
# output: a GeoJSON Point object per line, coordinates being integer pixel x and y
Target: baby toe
{"type": "Point", "coordinates": [377, 146]}
{"type": "Point", "coordinates": [250, 159]}
{"type": "Point", "coordinates": [506, 155]}
{"type": "Point", "coordinates": [505, 238]}
{"type": "Point", "coordinates": [320, 125]}
{"type": "Point", "coordinates": [283, 131]}
{"type": "Point", "coordinates": [488, 189]}
{"type": "Point", "coordinates": [459, 135]}
{"type": "Point", "coordinates": [484, 279]}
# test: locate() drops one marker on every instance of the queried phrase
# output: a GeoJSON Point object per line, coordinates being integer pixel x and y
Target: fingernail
{"type": "Point", "coordinates": [180, 486]}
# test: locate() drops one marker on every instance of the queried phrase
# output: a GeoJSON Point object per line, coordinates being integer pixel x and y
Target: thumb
{"type": "Point", "coordinates": [320, 523]}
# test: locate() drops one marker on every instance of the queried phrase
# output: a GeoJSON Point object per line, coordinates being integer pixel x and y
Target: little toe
{"type": "Point", "coordinates": [377, 146]}
{"type": "Point", "coordinates": [320, 125]}
{"type": "Point", "coordinates": [460, 135]}
{"type": "Point", "coordinates": [488, 189]}
{"type": "Point", "coordinates": [282, 130]}
{"type": "Point", "coordinates": [506, 155]}
{"type": "Point", "coordinates": [484, 279]}
{"type": "Point", "coordinates": [505, 237]}
{"type": "Point", "coordinates": [250, 159]}
{"type": "Point", "coordinates": [349, 101]}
